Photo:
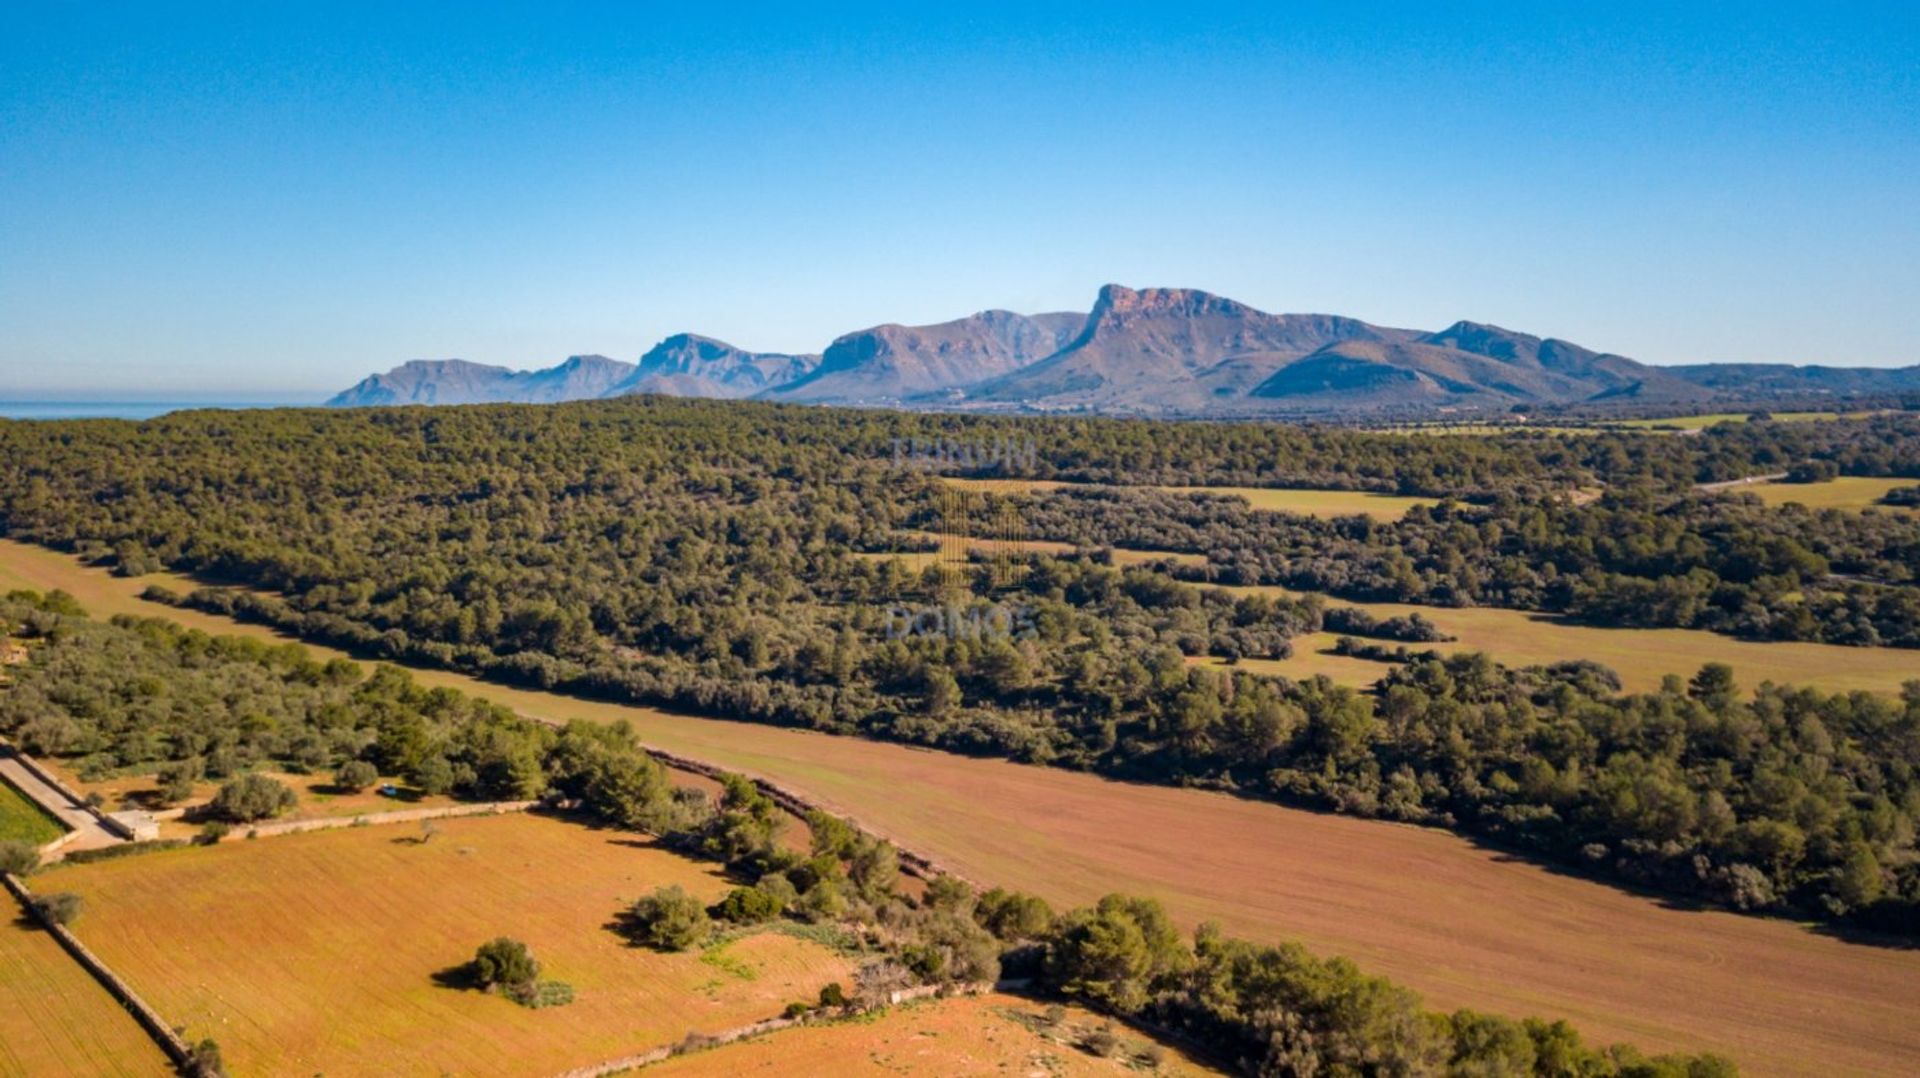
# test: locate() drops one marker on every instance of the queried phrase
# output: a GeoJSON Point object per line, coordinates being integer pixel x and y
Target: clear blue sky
{"type": "Point", "coordinates": [276, 199]}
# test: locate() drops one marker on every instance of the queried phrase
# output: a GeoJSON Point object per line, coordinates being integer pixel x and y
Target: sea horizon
{"type": "Point", "coordinates": [137, 409]}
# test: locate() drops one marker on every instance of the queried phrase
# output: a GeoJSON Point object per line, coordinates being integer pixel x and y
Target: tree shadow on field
{"type": "Point", "coordinates": [460, 978]}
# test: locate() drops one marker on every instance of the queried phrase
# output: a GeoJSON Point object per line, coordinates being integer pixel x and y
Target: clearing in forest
{"type": "Point", "coordinates": [1846, 492]}
{"type": "Point", "coordinates": [1313, 503]}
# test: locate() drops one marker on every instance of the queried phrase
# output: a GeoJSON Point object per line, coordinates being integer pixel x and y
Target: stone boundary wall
{"type": "Point", "coordinates": [78, 802]}
{"type": "Point", "coordinates": [912, 862]}
{"type": "Point", "coordinates": [163, 1035]}
{"type": "Point", "coordinates": [696, 1042]}
{"type": "Point", "coordinates": [369, 819]}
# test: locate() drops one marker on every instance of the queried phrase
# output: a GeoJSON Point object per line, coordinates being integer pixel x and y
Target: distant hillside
{"type": "Point", "coordinates": [1152, 351]}
{"type": "Point", "coordinates": [456, 381]}
{"type": "Point", "coordinates": [1465, 364]}
{"type": "Point", "coordinates": [1783, 378]}
{"type": "Point", "coordinates": [892, 362]}
{"type": "Point", "coordinates": [1145, 348]}
{"type": "Point", "coordinates": [689, 365]}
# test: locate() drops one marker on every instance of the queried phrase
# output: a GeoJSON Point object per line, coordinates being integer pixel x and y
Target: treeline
{"type": "Point", "coordinates": [1724, 563]}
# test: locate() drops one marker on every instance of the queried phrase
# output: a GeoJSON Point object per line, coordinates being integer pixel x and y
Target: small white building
{"type": "Point", "coordinates": [134, 825]}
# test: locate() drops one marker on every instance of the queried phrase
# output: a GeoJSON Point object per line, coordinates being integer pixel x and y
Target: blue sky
{"type": "Point", "coordinates": [274, 200]}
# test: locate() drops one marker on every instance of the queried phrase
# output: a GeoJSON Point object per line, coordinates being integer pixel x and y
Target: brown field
{"type": "Point", "coordinates": [990, 1034]}
{"type": "Point", "coordinates": [1846, 492]}
{"type": "Point", "coordinates": [317, 953]}
{"type": "Point", "coordinates": [1313, 503]}
{"type": "Point", "coordinates": [1465, 926]}
{"type": "Point", "coordinates": [1640, 656]}
{"type": "Point", "coordinates": [56, 1019]}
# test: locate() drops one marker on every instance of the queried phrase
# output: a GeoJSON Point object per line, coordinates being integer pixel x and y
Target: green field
{"type": "Point", "coordinates": [1846, 492]}
{"type": "Point", "coordinates": [1640, 656]}
{"type": "Point", "coordinates": [1702, 422]}
{"type": "Point", "coordinates": [23, 821]}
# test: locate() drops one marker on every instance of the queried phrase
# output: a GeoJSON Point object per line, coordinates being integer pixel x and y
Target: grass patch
{"type": "Point", "coordinates": [21, 820]}
{"type": "Point", "coordinates": [1846, 492]}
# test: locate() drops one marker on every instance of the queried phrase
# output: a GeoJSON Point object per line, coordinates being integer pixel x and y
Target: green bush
{"type": "Point", "coordinates": [670, 919]}
{"type": "Point", "coordinates": [18, 858]}
{"type": "Point", "coordinates": [60, 907]}
{"type": "Point", "coordinates": [252, 797]}
{"type": "Point", "coordinates": [747, 906]}
{"type": "Point", "coordinates": [504, 963]}
{"type": "Point", "coordinates": [355, 775]}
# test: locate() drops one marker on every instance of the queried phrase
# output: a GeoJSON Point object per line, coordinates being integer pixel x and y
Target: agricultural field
{"type": "Point", "coordinates": [1313, 503]}
{"type": "Point", "coordinates": [1640, 656]}
{"type": "Point", "coordinates": [56, 1019]}
{"type": "Point", "coordinates": [988, 1034]}
{"type": "Point", "coordinates": [324, 952]}
{"type": "Point", "coordinates": [1484, 929]}
{"type": "Point", "coordinates": [1846, 492]}
{"type": "Point", "coordinates": [1702, 422]}
{"type": "Point", "coordinates": [23, 821]}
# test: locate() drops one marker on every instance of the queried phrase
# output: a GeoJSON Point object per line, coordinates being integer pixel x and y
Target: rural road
{"type": "Point", "coordinates": [1729, 484]}
{"type": "Point", "coordinates": [72, 817]}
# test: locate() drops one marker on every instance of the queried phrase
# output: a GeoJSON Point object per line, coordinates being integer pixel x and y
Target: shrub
{"type": "Point", "coordinates": [1101, 1042]}
{"type": "Point", "coordinates": [176, 780]}
{"type": "Point", "coordinates": [537, 994]}
{"type": "Point", "coordinates": [122, 849]}
{"type": "Point", "coordinates": [18, 858]}
{"type": "Point", "coordinates": [747, 905]}
{"type": "Point", "coordinates": [355, 775]}
{"type": "Point", "coordinates": [207, 1060]}
{"type": "Point", "coordinates": [823, 903]}
{"type": "Point", "coordinates": [252, 797]}
{"type": "Point", "coordinates": [1013, 916]}
{"type": "Point", "coordinates": [60, 908]}
{"type": "Point", "coordinates": [833, 995]}
{"type": "Point", "coordinates": [670, 919]}
{"type": "Point", "coordinates": [504, 963]}
{"type": "Point", "coordinates": [213, 832]}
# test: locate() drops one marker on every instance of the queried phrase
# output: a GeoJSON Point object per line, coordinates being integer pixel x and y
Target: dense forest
{"type": "Point", "coordinates": [720, 558]}
{"type": "Point", "coordinates": [146, 695]}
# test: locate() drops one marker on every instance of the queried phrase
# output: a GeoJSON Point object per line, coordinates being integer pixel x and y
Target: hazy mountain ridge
{"type": "Point", "coordinates": [892, 361]}
{"type": "Point", "coordinates": [1152, 351]}
{"type": "Point", "coordinates": [689, 365]}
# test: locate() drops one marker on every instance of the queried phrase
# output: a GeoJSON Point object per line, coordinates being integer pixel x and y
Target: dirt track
{"type": "Point", "coordinates": [1465, 926]}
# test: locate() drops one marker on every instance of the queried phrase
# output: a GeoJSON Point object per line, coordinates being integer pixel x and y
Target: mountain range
{"type": "Point", "coordinates": [1153, 351]}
